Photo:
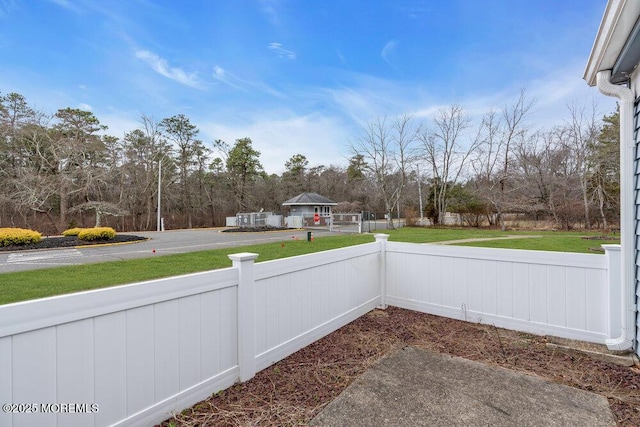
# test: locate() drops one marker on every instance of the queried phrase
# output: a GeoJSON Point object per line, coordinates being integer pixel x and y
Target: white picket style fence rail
{"type": "Point", "coordinates": [142, 351]}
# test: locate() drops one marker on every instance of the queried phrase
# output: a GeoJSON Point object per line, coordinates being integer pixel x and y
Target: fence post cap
{"type": "Point", "coordinates": [243, 256]}
{"type": "Point", "coordinates": [381, 236]}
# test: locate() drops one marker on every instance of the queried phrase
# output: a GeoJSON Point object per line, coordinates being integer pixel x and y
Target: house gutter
{"type": "Point", "coordinates": [627, 293]}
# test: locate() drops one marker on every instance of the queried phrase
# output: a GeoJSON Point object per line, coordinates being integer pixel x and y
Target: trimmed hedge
{"type": "Point", "coordinates": [18, 236]}
{"type": "Point", "coordinates": [97, 233]}
{"type": "Point", "coordinates": [72, 231]}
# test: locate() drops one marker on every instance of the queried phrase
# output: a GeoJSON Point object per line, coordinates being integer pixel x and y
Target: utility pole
{"type": "Point", "coordinates": [159, 225]}
{"type": "Point", "coordinates": [419, 193]}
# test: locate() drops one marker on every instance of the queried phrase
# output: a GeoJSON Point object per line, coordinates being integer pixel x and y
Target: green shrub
{"type": "Point", "coordinates": [97, 233]}
{"type": "Point", "coordinates": [72, 231]}
{"type": "Point", "coordinates": [18, 236]}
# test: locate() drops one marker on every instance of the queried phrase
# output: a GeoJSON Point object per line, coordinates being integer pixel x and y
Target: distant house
{"type": "Point", "coordinates": [303, 210]}
{"type": "Point", "coordinates": [613, 68]}
{"type": "Point", "coordinates": [308, 204]}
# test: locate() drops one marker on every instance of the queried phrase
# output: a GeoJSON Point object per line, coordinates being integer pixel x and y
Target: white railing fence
{"type": "Point", "coordinates": [141, 351]}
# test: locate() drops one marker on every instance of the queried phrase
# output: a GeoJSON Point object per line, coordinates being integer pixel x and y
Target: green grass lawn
{"type": "Point", "coordinates": [33, 284]}
{"type": "Point", "coordinates": [429, 234]}
{"type": "Point", "coordinates": [560, 241]}
{"type": "Point", "coordinates": [548, 243]}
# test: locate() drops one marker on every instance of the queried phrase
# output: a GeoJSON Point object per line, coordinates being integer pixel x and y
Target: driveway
{"type": "Point", "coordinates": [159, 243]}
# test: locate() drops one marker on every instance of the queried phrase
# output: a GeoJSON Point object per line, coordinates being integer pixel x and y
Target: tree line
{"type": "Point", "coordinates": [63, 169]}
{"type": "Point", "coordinates": [502, 166]}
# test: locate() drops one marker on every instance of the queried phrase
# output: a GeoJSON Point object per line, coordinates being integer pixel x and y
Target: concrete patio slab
{"type": "Point", "coordinates": [412, 387]}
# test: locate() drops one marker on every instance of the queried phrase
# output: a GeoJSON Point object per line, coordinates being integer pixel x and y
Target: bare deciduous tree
{"type": "Point", "coordinates": [492, 164]}
{"type": "Point", "coordinates": [387, 149]}
{"type": "Point", "coordinates": [581, 135]}
{"type": "Point", "coordinates": [446, 149]}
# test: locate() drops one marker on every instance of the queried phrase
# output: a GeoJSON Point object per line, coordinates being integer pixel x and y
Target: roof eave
{"type": "Point", "coordinates": [309, 204]}
{"type": "Point", "coordinates": [617, 24]}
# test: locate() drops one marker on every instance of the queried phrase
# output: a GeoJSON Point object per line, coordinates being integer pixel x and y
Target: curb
{"type": "Point", "coordinates": [100, 245]}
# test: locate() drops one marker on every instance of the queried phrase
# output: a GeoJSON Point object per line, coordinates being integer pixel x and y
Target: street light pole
{"type": "Point", "coordinates": [419, 193]}
{"type": "Point", "coordinates": [159, 228]}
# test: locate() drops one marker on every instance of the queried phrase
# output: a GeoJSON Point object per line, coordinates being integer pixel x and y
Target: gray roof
{"type": "Point", "coordinates": [309, 199]}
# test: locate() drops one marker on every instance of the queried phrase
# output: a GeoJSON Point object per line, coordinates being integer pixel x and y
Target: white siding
{"type": "Point", "coordinates": [636, 196]}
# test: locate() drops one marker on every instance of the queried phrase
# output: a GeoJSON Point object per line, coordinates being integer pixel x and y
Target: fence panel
{"type": "Point", "coordinates": [138, 351]}
{"type": "Point", "coordinates": [559, 294]}
{"type": "Point", "coordinates": [301, 299]}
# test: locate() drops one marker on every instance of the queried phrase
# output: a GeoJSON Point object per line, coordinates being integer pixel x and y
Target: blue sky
{"type": "Point", "coordinates": [296, 76]}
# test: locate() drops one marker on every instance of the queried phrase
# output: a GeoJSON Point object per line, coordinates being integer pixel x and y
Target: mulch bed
{"type": "Point", "coordinates": [70, 241]}
{"type": "Point", "coordinates": [294, 390]}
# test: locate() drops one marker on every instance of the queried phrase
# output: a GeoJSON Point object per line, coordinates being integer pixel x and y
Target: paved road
{"type": "Point", "coordinates": [164, 243]}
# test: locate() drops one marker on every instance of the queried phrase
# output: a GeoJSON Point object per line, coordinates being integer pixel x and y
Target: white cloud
{"type": "Point", "coordinates": [236, 82]}
{"type": "Point", "coordinates": [387, 50]}
{"type": "Point", "coordinates": [388, 54]}
{"type": "Point", "coordinates": [342, 59]}
{"type": "Point", "coordinates": [62, 3]}
{"type": "Point", "coordinates": [280, 135]}
{"type": "Point", "coordinates": [559, 87]}
{"type": "Point", "coordinates": [270, 9]}
{"type": "Point", "coordinates": [6, 7]}
{"type": "Point", "coordinates": [363, 97]}
{"type": "Point", "coordinates": [85, 107]}
{"type": "Point", "coordinates": [221, 75]}
{"type": "Point", "coordinates": [161, 66]}
{"type": "Point", "coordinates": [281, 52]}
{"type": "Point", "coordinates": [119, 122]}
{"type": "Point", "coordinates": [67, 5]}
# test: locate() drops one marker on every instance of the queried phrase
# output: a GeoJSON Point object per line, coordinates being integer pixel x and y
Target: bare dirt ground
{"type": "Point", "coordinates": [294, 390]}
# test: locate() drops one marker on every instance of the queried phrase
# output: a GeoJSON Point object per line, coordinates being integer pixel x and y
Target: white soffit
{"type": "Point", "coordinates": [617, 23]}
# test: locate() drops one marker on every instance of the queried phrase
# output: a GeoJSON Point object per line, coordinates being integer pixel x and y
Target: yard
{"type": "Point", "coordinates": [210, 314]}
{"type": "Point", "coordinates": [21, 286]}
{"type": "Point", "coordinates": [294, 390]}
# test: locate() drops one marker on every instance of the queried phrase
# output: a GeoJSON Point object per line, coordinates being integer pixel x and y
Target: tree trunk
{"type": "Point", "coordinates": [585, 200]}
{"type": "Point", "coordinates": [64, 208]}
{"type": "Point", "coordinates": [603, 217]}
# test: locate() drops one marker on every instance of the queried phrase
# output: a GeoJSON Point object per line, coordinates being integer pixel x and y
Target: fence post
{"type": "Point", "coordinates": [382, 240]}
{"type": "Point", "coordinates": [246, 308]}
{"type": "Point", "coordinates": [614, 279]}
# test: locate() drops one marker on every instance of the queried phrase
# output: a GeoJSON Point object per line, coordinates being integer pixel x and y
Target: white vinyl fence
{"type": "Point", "coordinates": [130, 355]}
{"type": "Point", "coordinates": [562, 294]}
